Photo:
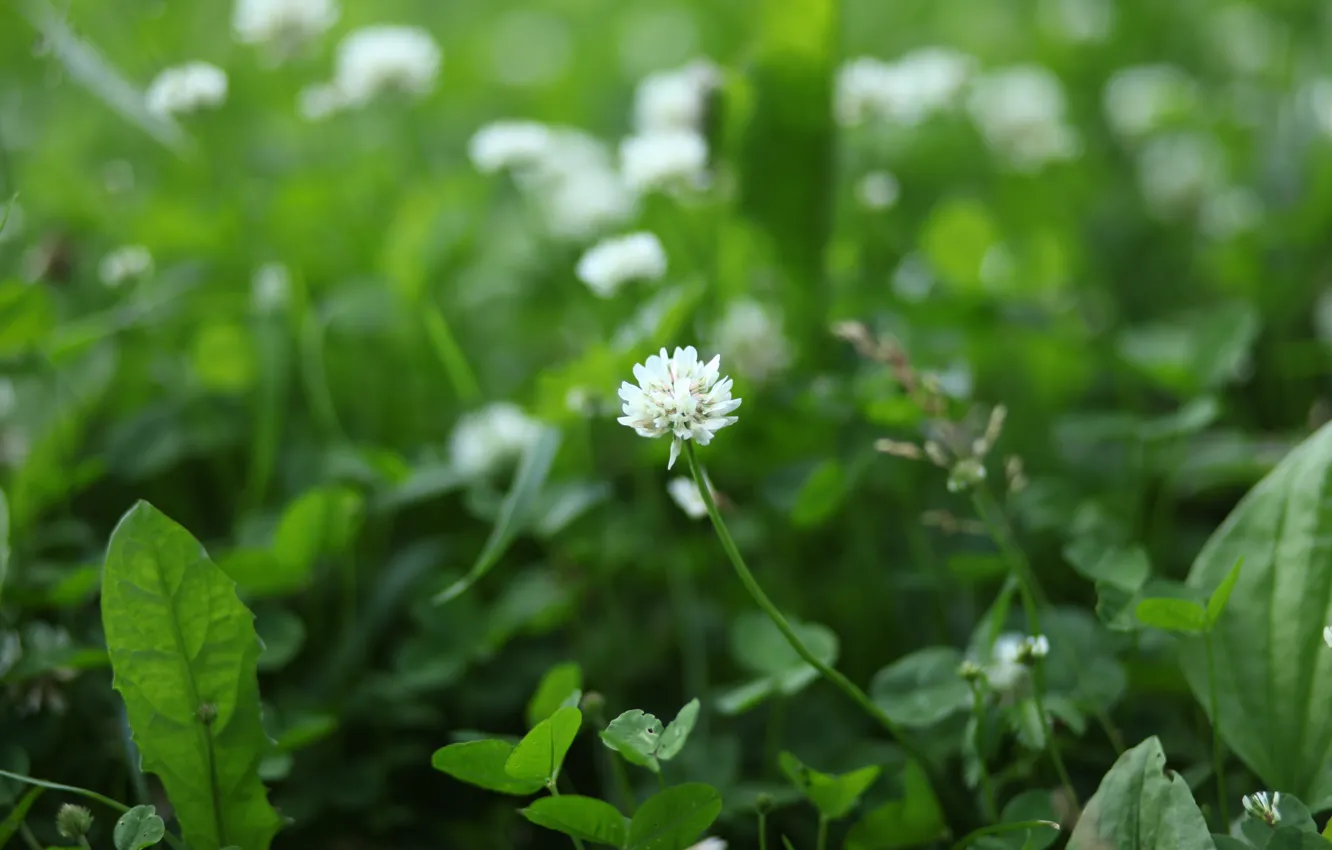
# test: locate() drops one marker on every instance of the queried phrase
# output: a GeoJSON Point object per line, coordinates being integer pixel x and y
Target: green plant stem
{"type": "Point", "coordinates": [999, 828]}
{"type": "Point", "coordinates": [118, 806]}
{"type": "Point", "coordinates": [25, 832]}
{"type": "Point", "coordinates": [942, 790]}
{"type": "Point", "coordinates": [1032, 598]}
{"type": "Point", "coordinates": [772, 745]}
{"type": "Point", "coordinates": [823, 833]}
{"type": "Point", "coordinates": [763, 830]}
{"type": "Point", "coordinates": [555, 792]}
{"type": "Point", "coordinates": [1218, 756]}
{"type": "Point", "coordinates": [987, 786]}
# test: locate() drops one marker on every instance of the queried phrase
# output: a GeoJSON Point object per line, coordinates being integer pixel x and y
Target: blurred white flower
{"type": "Point", "coordinates": [678, 395]}
{"type": "Point", "coordinates": [907, 92]}
{"type": "Point", "coordinates": [1005, 671]}
{"type": "Point", "coordinates": [663, 160]}
{"type": "Point", "coordinates": [508, 144]}
{"type": "Point", "coordinates": [1034, 647]}
{"type": "Point", "coordinates": [1317, 96]}
{"type": "Point", "coordinates": [530, 48]}
{"type": "Point", "coordinates": [913, 279]}
{"type": "Point", "coordinates": [1327, 636]}
{"type": "Point", "coordinates": [1229, 212]}
{"type": "Point", "coordinates": [750, 337]}
{"type": "Point", "coordinates": [1080, 21]}
{"type": "Point", "coordinates": [383, 58]}
{"type": "Point", "coordinates": [584, 204]}
{"type": "Point", "coordinates": [285, 23]}
{"type": "Point", "coordinates": [709, 844]}
{"type": "Point", "coordinates": [318, 101]}
{"type": "Point", "coordinates": [128, 262]}
{"type": "Point", "coordinates": [270, 289]}
{"type": "Point", "coordinates": [1138, 99]}
{"type": "Point", "coordinates": [686, 494]}
{"type": "Point", "coordinates": [1244, 36]}
{"type": "Point", "coordinates": [485, 440]}
{"type": "Point", "coordinates": [186, 88]}
{"type": "Point", "coordinates": [878, 190]}
{"type": "Point", "coordinates": [1264, 809]}
{"type": "Point", "coordinates": [676, 99]}
{"type": "Point", "coordinates": [1177, 171]}
{"type": "Point", "coordinates": [1020, 112]}
{"type": "Point", "coordinates": [611, 263]}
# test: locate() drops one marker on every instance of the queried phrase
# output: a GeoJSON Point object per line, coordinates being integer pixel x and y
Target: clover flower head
{"type": "Point", "coordinates": [186, 88]}
{"type": "Point", "coordinates": [613, 262]}
{"type": "Point", "coordinates": [384, 57]}
{"type": "Point", "coordinates": [285, 22]}
{"type": "Point", "coordinates": [128, 262]}
{"type": "Point", "coordinates": [1327, 636]}
{"type": "Point", "coordinates": [508, 144]}
{"type": "Point", "coordinates": [676, 99]}
{"type": "Point", "coordinates": [685, 493]}
{"type": "Point", "coordinates": [678, 395]}
{"type": "Point", "coordinates": [1263, 808]}
{"type": "Point", "coordinates": [664, 160]}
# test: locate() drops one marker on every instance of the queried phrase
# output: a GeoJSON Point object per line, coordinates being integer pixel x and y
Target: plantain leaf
{"type": "Point", "coordinates": [184, 653]}
{"type": "Point", "coordinates": [1273, 671]}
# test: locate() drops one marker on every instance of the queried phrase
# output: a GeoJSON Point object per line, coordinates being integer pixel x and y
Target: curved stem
{"type": "Point", "coordinates": [845, 685]}
{"type": "Point", "coordinates": [823, 832]}
{"type": "Point", "coordinates": [1032, 598]}
{"type": "Point", "coordinates": [1004, 827]}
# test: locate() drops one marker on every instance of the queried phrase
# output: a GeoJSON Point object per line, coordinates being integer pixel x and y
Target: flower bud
{"type": "Point", "coordinates": [73, 821]}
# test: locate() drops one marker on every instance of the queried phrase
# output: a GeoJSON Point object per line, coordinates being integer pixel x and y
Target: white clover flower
{"type": "Point", "coordinates": [878, 190]}
{"type": "Point", "coordinates": [1035, 647]}
{"type": "Point", "coordinates": [1020, 112]}
{"type": "Point", "coordinates": [1327, 636]}
{"type": "Point", "coordinates": [675, 99]}
{"type": "Point", "coordinates": [687, 495]}
{"type": "Point", "coordinates": [905, 92]}
{"type": "Point", "coordinates": [1177, 171]}
{"type": "Point", "coordinates": [1005, 671]}
{"type": "Point", "coordinates": [284, 23]}
{"type": "Point", "coordinates": [1259, 806]}
{"type": "Point", "coordinates": [1139, 99]}
{"type": "Point", "coordinates": [270, 288]}
{"type": "Point", "coordinates": [383, 58]}
{"type": "Point", "coordinates": [750, 337]}
{"type": "Point", "coordinates": [508, 144]}
{"type": "Point", "coordinates": [128, 262]}
{"type": "Point", "coordinates": [485, 440]}
{"type": "Point", "coordinates": [186, 88]}
{"type": "Point", "coordinates": [611, 263]}
{"type": "Point", "coordinates": [318, 101]}
{"type": "Point", "coordinates": [678, 395]}
{"type": "Point", "coordinates": [574, 184]}
{"type": "Point", "coordinates": [709, 844]}
{"type": "Point", "coordinates": [663, 160]}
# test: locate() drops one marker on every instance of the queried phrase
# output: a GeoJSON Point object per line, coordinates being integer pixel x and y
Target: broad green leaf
{"type": "Point", "coordinates": [481, 763]}
{"type": "Point", "coordinates": [833, 795]}
{"type": "Point", "coordinates": [559, 683]}
{"type": "Point", "coordinates": [1292, 838]}
{"type": "Point", "coordinates": [514, 513]}
{"type": "Point", "coordinates": [1141, 806]}
{"type": "Point", "coordinates": [1229, 842]}
{"type": "Point", "coordinates": [760, 646]}
{"type": "Point", "coordinates": [1035, 810]}
{"type": "Point", "coordinates": [912, 820]}
{"type": "Point", "coordinates": [635, 734]}
{"type": "Point", "coordinates": [322, 521]}
{"type": "Point", "coordinates": [1173, 615]}
{"type": "Point", "coordinates": [1216, 605]}
{"type": "Point", "coordinates": [1122, 568]}
{"type": "Point", "coordinates": [789, 132]}
{"type": "Point", "coordinates": [183, 652]}
{"type": "Point", "coordinates": [582, 817]}
{"type": "Point", "coordinates": [673, 819]}
{"type": "Point", "coordinates": [1273, 671]}
{"type": "Point", "coordinates": [677, 731]}
{"type": "Point", "coordinates": [923, 688]}
{"type": "Point", "coordinates": [14, 819]}
{"type": "Point", "coordinates": [541, 752]}
{"type": "Point", "coordinates": [138, 828]}
{"type": "Point", "coordinates": [4, 542]}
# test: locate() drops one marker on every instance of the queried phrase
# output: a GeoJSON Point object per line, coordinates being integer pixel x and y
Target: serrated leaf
{"type": "Point", "coordinates": [556, 686]}
{"type": "Point", "coordinates": [833, 795]}
{"type": "Point", "coordinates": [184, 656]}
{"type": "Point", "coordinates": [581, 817]}
{"type": "Point", "coordinates": [481, 763]}
{"type": "Point", "coordinates": [138, 828]}
{"type": "Point", "coordinates": [1273, 671]}
{"type": "Point", "coordinates": [1216, 604]}
{"type": "Point", "coordinates": [674, 818]}
{"type": "Point", "coordinates": [1142, 806]}
{"type": "Point", "coordinates": [677, 731]}
{"type": "Point", "coordinates": [514, 513]}
{"type": "Point", "coordinates": [635, 734]}
{"type": "Point", "coordinates": [1172, 615]}
{"type": "Point", "coordinates": [541, 752]}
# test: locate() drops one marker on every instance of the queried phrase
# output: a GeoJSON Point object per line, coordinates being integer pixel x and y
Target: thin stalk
{"type": "Point", "coordinates": [118, 806]}
{"type": "Point", "coordinates": [999, 828]}
{"type": "Point", "coordinates": [25, 832]}
{"type": "Point", "coordinates": [763, 830]}
{"type": "Point", "coordinates": [823, 833]}
{"type": "Point", "coordinates": [1032, 599]}
{"type": "Point", "coordinates": [1218, 756]}
{"type": "Point", "coordinates": [554, 792]}
{"type": "Point", "coordinates": [772, 744]}
{"type": "Point", "coordinates": [942, 790]}
{"type": "Point", "coordinates": [987, 786]}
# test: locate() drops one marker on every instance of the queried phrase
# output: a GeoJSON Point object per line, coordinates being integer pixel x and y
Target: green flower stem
{"type": "Point", "coordinates": [554, 792]}
{"type": "Point", "coordinates": [763, 830]}
{"type": "Point", "coordinates": [987, 786]}
{"type": "Point", "coordinates": [1218, 756]}
{"type": "Point", "coordinates": [1003, 827]}
{"type": "Point", "coordinates": [823, 833]}
{"type": "Point", "coordinates": [959, 814]}
{"type": "Point", "coordinates": [1032, 598]}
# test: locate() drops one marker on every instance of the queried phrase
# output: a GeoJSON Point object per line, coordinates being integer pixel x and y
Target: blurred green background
{"type": "Point", "coordinates": [1148, 298]}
